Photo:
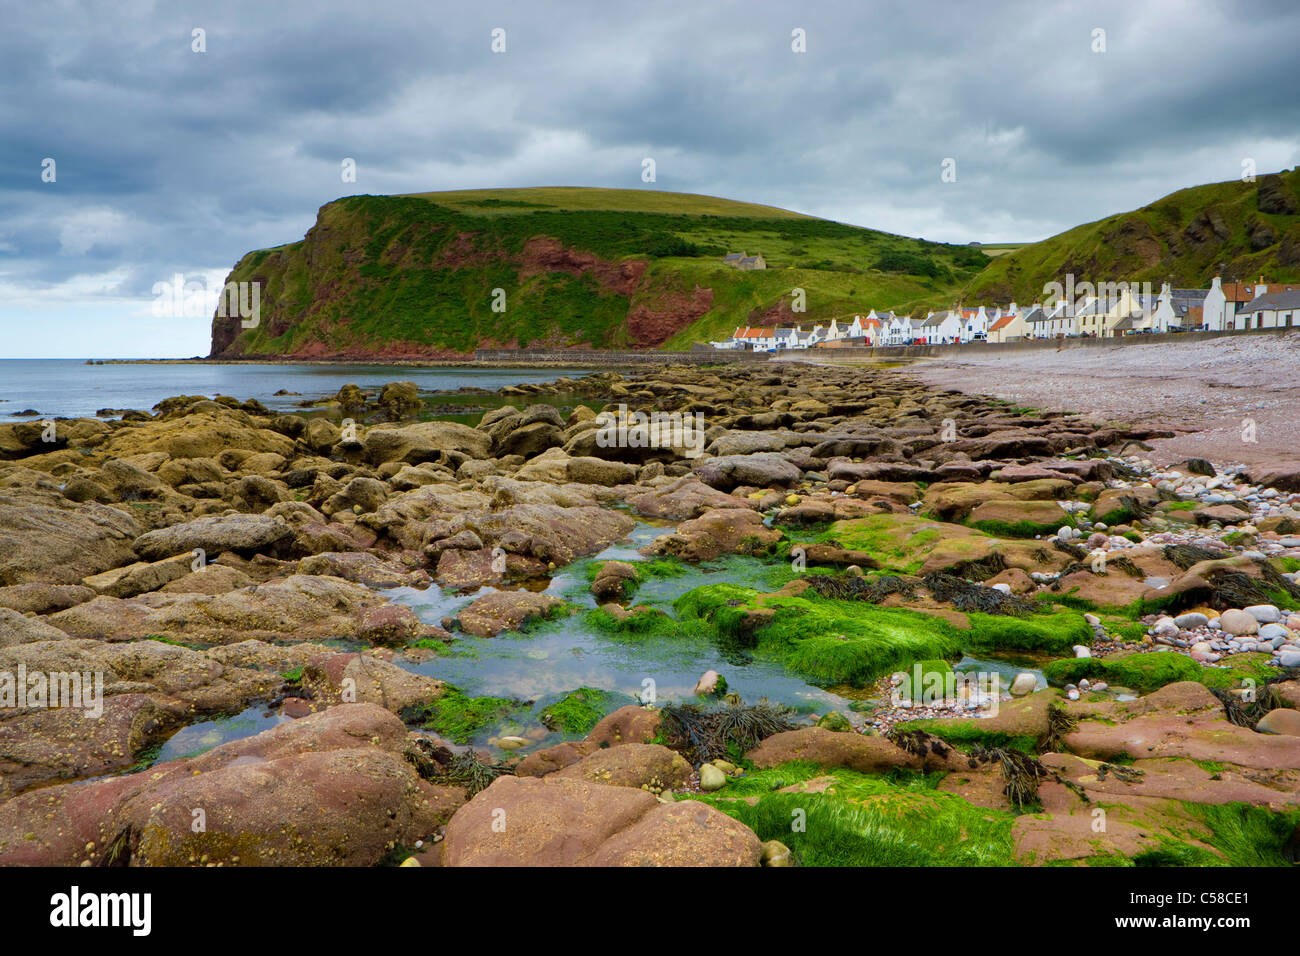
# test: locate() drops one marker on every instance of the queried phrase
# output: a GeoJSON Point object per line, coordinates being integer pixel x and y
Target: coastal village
{"type": "Point", "coordinates": [1118, 309]}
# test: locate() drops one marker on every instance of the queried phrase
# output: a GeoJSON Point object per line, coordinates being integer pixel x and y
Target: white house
{"type": "Point", "coordinates": [941, 327]}
{"type": "Point", "coordinates": [1272, 310]}
{"type": "Point", "coordinates": [975, 322]}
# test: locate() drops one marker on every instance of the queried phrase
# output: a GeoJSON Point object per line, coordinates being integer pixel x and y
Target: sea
{"type": "Point", "coordinates": [72, 388]}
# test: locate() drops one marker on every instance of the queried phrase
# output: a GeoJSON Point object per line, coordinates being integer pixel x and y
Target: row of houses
{"type": "Point", "coordinates": [1120, 309]}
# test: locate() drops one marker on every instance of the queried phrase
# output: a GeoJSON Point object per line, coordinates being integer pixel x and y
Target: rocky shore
{"type": "Point", "coordinates": [209, 556]}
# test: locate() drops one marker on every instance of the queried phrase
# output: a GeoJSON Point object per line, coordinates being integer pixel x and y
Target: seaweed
{"type": "Point", "coordinates": [468, 770]}
{"type": "Point", "coordinates": [1246, 713]}
{"type": "Point", "coordinates": [702, 735]}
{"type": "Point", "coordinates": [1185, 555]}
{"type": "Point", "coordinates": [850, 587]}
{"type": "Point", "coordinates": [1060, 723]}
{"type": "Point", "coordinates": [967, 596]}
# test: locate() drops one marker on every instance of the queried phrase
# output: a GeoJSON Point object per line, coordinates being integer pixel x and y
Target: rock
{"type": "Point", "coordinates": [333, 679]}
{"type": "Point", "coordinates": [597, 471]}
{"type": "Point", "coordinates": [562, 822]}
{"type": "Point", "coordinates": [836, 722]}
{"type": "Point", "coordinates": [1082, 651]}
{"type": "Point", "coordinates": [1264, 613]}
{"type": "Point", "coordinates": [43, 598]}
{"type": "Point", "coordinates": [1283, 720]}
{"type": "Point", "coordinates": [1238, 622]}
{"type": "Point", "coordinates": [724, 531]}
{"type": "Point", "coordinates": [363, 568]}
{"type": "Point", "coordinates": [649, 766]}
{"type": "Point", "coordinates": [298, 608]}
{"type": "Point", "coordinates": [398, 397]}
{"type": "Point", "coordinates": [762, 470]}
{"type": "Point", "coordinates": [776, 853]}
{"type": "Point", "coordinates": [241, 533]}
{"type": "Point", "coordinates": [424, 441]}
{"type": "Point", "coordinates": [1271, 632]}
{"type": "Point", "coordinates": [711, 778]}
{"type": "Point", "coordinates": [512, 742]}
{"type": "Point", "coordinates": [684, 498]}
{"type": "Point", "coordinates": [614, 581]}
{"type": "Point", "coordinates": [328, 789]}
{"type": "Point", "coordinates": [1190, 620]}
{"type": "Point", "coordinates": [817, 745]}
{"type": "Point", "coordinates": [708, 682]}
{"type": "Point", "coordinates": [501, 611]}
{"type": "Point", "coordinates": [1024, 683]}
{"type": "Point", "coordinates": [141, 577]}
{"type": "Point", "coordinates": [75, 540]}
{"type": "Point", "coordinates": [1289, 658]}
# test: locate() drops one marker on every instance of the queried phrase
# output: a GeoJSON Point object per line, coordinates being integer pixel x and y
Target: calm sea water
{"type": "Point", "coordinates": [70, 387]}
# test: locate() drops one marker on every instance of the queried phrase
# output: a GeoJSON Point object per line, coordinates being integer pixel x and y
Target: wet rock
{"type": "Point", "coordinates": [724, 531]}
{"type": "Point", "coordinates": [614, 581]}
{"type": "Point", "coordinates": [501, 611]}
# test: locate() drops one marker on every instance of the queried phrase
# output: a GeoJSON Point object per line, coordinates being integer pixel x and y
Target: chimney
{"type": "Point", "coordinates": [1216, 284]}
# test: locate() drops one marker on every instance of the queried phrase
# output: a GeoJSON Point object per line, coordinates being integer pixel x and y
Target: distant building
{"type": "Point", "coordinates": [1272, 310]}
{"type": "Point", "coordinates": [742, 261]}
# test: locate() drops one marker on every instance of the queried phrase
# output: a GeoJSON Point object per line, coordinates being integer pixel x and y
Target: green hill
{"type": "Point", "coordinates": [1245, 229]}
{"type": "Point", "coordinates": [415, 276]}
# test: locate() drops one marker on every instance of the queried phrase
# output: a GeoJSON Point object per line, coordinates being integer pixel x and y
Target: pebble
{"type": "Point", "coordinates": [1264, 613]}
{"type": "Point", "coordinates": [711, 778]}
{"type": "Point", "coordinates": [1239, 622]}
{"type": "Point", "coordinates": [1271, 631]}
{"type": "Point", "coordinates": [1081, 651]}
{"type": "Point", "coordinates": [1024, 683]}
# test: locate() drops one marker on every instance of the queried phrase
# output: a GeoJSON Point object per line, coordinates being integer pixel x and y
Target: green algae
{"type": "Point", "coordinates": [867, 820]}
{"type": "Point", "coordinates": [458, 717]}
{"type": "Point", "coordinates": [1145, 672]}
{"type": "Point", "coordinates": [580, 710]}
{"type": "Point", "coordinates": [824, 640]}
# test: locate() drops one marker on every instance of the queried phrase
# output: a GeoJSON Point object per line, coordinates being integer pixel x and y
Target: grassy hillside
{"type": "Point", "coordinates": [415, 275]}
{"type": "Point", "coordinates": [1245, 229]}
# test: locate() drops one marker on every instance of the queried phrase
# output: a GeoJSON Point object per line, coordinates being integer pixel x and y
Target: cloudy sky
{"type": "Point", "coordinates": [170, 161]}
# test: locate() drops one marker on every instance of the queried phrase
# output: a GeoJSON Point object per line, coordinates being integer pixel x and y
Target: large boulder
{"type": "Point", "coordinates": [331, 789]}
{"type": "Point", "coordinates": [529, 821]}
{"type": "Point", "coordinates": [683, 498]}
{"type": "Point", "coordinates": [505, 611]}
{"type": "Point", "coordinates": [724, 531]}
{"type": "Point", "coordinates": [763, 470]}
{"type": "Point", "coordinates": [46, 539]}
{"type": "Point", "coordinates": [241, 533]}
{"type": "Point", "coordinates": [424, 441]}
{"type": "Point", "coordinates": [301, 607]}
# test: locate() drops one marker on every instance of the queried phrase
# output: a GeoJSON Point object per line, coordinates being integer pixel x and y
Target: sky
{"type": "Point", "coordinates": [175, 152]}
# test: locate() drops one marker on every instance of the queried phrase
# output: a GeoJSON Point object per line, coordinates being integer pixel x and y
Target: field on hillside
{"type": "Point", "coordinates": [497, 202]}
{"type": "Point", "coordinates": [1241, 230]}
{"type": "Point", "coordinates": [419, 274]}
